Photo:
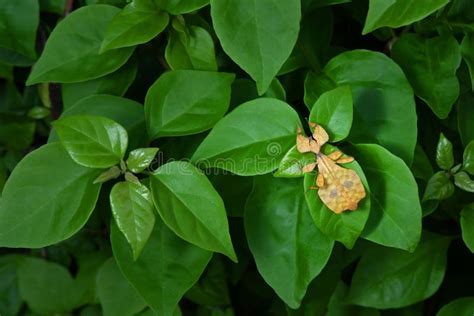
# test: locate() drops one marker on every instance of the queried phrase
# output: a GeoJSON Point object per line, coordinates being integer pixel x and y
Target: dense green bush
{"type": "Point", "coordinates": [148, 158]}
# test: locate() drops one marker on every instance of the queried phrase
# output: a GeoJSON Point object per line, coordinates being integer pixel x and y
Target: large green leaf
{"type": "Point", "coordinates": [116, 295]}
{"type": "Point", "coordinates": [384, 107]}
{"type": "Point", "coordinates": [252, 139]}
{"type": "Point", "coordinates": [338, 306]}
{"type": "Point", "coordinates": [292, 164]}
{"type": "Point", "coordinates": [16, 133]}
{"type": "Point", "coordinates": [396, 13]}
{"type": "Point", "coordinates": [395, 216]}
{"type": "Point", "coordinates": [177, 7]}
{"type": "Point", "coordinates": [92, 141]}
{"type": "Point", "coordinates": [115, 83]}
{"type": "Point", "coordinates": [463, 306]}
{"type": "Point", "coordinates": [72, 54]}
{"type": "Point", "coordinates": [466, 117]}
{"type": "Point", "coordinates": [10, 299]}
{"type": "Point", "coordinates": [278, 227]}
{"type": "Point", "coordinates": [47, 198]}
{"type": "Point", "coordinates": [347, 226]}
{"type": "Point", "coordinates": [258, 35]}
{"type": "Point", "coordinates": [467, 51]}
{"type": "Point", "coordinates": [333, 111]}
{"type": "Point", "coordinates": [184, 102]}
{"type": "Point", "coordinates": [47, 287]}
{"type": "Point", "coordinates": [467, 225]}
{"type": "Point", "coordinates": [437, 85]}
{"type": "Point", "coordinates": [191, 207]}
{"type": "Point", "coordinates": [126, 112]}
{"type": "Point", "coordinates": [392, 278]}
{"type": "Point", "coordinates": [190, 47]}
{"type": "Point", "coordinates": [18, 23]}
{"type": "Point", "coordinates": [167, 268]}
{"type": "Point", "coordinates": [132, 208]}
{"type": "Point", "coordinates": [137, 23]}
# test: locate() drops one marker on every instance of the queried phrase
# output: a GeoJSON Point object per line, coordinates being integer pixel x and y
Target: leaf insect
{"type": "Point", "coordinates": [339, 188]}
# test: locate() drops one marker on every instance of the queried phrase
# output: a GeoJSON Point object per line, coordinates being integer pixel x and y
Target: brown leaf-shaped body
{"type": "Point", "coordinates": [342, 189]}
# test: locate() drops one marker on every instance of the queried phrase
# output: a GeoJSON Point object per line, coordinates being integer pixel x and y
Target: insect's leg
{"type": "Point", "coordinates": [335, 155]}
{"type": "Point", "coordinates": [309, 167]}
{"type": "Point", "coordinates": [346, 159]}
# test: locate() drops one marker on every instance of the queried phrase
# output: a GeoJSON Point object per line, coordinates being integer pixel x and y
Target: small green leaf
{"type": "Point", "coordinates": [396, 13]}
{"type": "Point", "coordinates": [72, 54]}
{"type": "Point", "coordinates": [395, 217]}
{"type": "Point", "coordinates": [137, 23]}
{"type": "Point", "coordinates": [92, 141]}
{"type": "Point", "coordinates": [291, 166]}
{"type": "Point", "coordinates": [468, 158]}
{"type": "Point", "coordinates": [463, 306]}
{"type": "Point", "coordinates": [463, 181]}
{"type": "Point", "coordinates": [268, 30]}
{"type": "Point", "coordinates": [38, 112]}
{"type": "Point", "coordinates": [139, 159]}
{"type": "Point", "coordinates": [132, 208]}
{"type": "Point", "coordinates": [10, 298]}
{"type": "Point", "coordinates": [345, 227]}
{"type": "Point", "coordinates": [278, 227]}
{"type": "Point", "coordinates": [18, 31]}
{"type": "Point", "coordinates": [333, 111]}
{"type": "Point", "coordinates": [112, 173]}
{"type": "Point", "coordinates": [385, 277]}
{"type": "Point", "coordinates": [466, 117]}
{"type": "Point", "coordinates": [444, 153]}
{"type": "Point", "coordinates": [250, 140]}
{"type": "Point", "coordinates": [185, 102]}
{"type": "Point", "coordinates": [167, 268]}
{"type": "Point", "coordinates": [439, 187]}
{"type": "Point", "coordinates": [437, 86]}
{"type": "Point", "coordinates": [47, 198]}
{"type": "Point", "coordinates": [467, 226]}
{"type": "Point", "coordinates": [191, 48]}
{"type": "Point", "coordinates": [191, 207]}
{"type": "Point", "coordinates": [116, 295]}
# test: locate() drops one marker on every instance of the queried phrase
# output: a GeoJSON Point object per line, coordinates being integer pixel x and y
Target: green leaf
{"type": "Point", "coordinates": [396, 13]}
{"type": "Point", "coordinates": [116, 83]}
{"type": "Point", "coordinates": [278, 227]}
{"type": "Point", "coordinates": [392, 278]}
{"type": "Point", "coordinates": [47, 287]}
{"type": "Point", "coordinates": [467, 51]}
{"type": "Point", "coordinates": [92, 141]}
{"type": "Point", "coordinates": [338, 307]}
{"type": "Point", "coordinates": [437, 85]}
{"type": "Point", "coordinates": [16, 133]}
{"type": "Point", "coordinates": [132, 208]}
{"type": "Point", "coordinates": [468, 158]}
{"type": "Point", "coordinates": [166, 269]}
{"type": "Point", "coordinates": [139, 159]}
{"type": "Point", "coordinates": [444, 153]}
{"type": "Point", "coordinates": [421, 166]}
{"type": "Point", "coordinates": [268, 30]}
{"type": "Point", "coordinates": [177, 7]}
{"type": "Point", "coordinates": [333, 111]}
{"type": "Point", "coordinates": [395, 216]}
{"type": "Point", "coordinates": [291, 166]}
{"type": "Point", "coordinates": [19, 22]}
{"type": "Point", "coordinates": [347, 226]}
{"type": "Point", "coordinates": [72, 54]}
{"type": "Point", "coordinates": [137, 23]}
{"type": "Point", "coordinates": [250, 140]}
{"type": "Point", "coordinates": [464, 182]}
{"type": "Point", "coordinates": [463, 306]}
{"type": "Point", "coordinates": [439, 187]}
{"type": "Point", "coordinates": [190, 48]}
{"type": "Point", "coordinates": [188, 203]}
{"type": "Point", "coordinates": [384, 107]}
{"type": "Point", "coordinates": [185, 102]}
{"type": "Point", "coordinates": [47, 198]}
{"type": "Point", "coordinates": [10, 299]}
{"type": "Point", "coordinates": [126, 112]}
{"type": "Point", "coordinates": [467, 226]}
{"type": "Point", "coordinates": [466, 117]}
{"type": "Point", "coordinates": [116, 295]}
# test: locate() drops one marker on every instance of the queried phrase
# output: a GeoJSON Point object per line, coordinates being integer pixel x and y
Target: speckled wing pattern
{"type": "Point", "coordinates": [341, 189]}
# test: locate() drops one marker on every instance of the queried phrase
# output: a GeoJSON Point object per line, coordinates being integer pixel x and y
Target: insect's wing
{"type": "Point", "coordinates": [320, 135]}
{"type": "Point", "coordinates": [342, 188]}
{"type": "Point", "coordinates": [306, 144]}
